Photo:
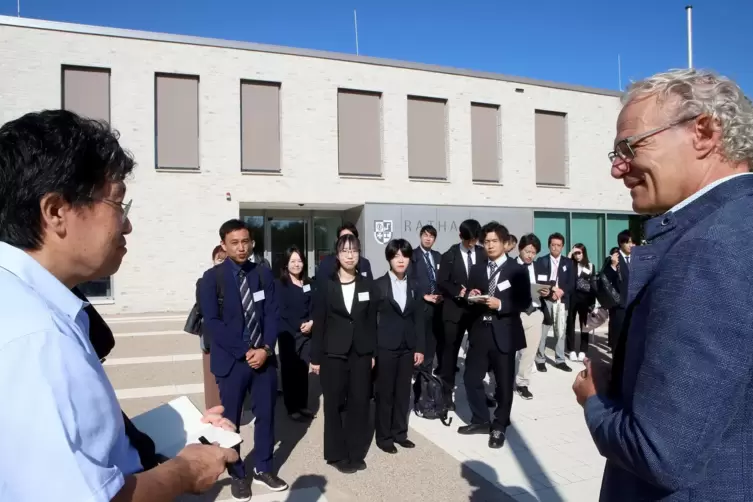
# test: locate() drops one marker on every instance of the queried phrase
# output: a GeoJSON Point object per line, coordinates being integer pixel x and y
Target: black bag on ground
{"type": "Point", "coordinates": [606, 293]}
{"type": "Point", "coordinates": [429, 399]}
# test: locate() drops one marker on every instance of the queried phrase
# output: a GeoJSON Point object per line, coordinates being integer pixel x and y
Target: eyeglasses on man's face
{"type": "Point", "coordinates": [125, 207]}
{"type": "Point", "coordinates": [624, 150]}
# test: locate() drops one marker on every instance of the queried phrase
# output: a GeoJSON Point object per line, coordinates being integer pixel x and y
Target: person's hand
{"type": "Point", "coordinates": [475, 292]}
{"type": "Point", "coordinates": [214, 416]}
{"type": "Point", "coordinates": [314, 368]}
{"type": "Point", "coordinates": [257, 359]}
{"type": "Point", "coordinates": [418, 359]}
{"type": "Point", "coordinates": [439, 298]}
{"type": "Point", "coordinates": [306, 327]}
{"type": "Point", "coordinates": [545, 291]}
{"type": "Point", "coordinates": [615, 259]}
{"type": "Point", "coordinates": [204, 464]}
{"type": "Point", "coordinates": [493, 303]}
{"type": "Point", "coordinates": [430, 298]}
{"type": "Point", "coordinates": [462, 291]}
{"type": "Point", "coordinates": [585, 385]}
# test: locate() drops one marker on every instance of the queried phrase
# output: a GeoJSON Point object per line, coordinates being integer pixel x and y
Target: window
{"type": "Point", "coordinates": [427, 138]}
{"type": "Point", "coordinates": [485, 142]}
{"type": "Point", "coordinates": [260, 126]}
{"type": "Point", "coordinates": [359, 132]}
{"type": "Point", "coordinates": [86, 91]}
{"type": "Point", "coordinates": [177, 121]}
{"type": "Point", "coordinates": [551, 148]}
{"type": "Point", "coordinates": [588, 229]}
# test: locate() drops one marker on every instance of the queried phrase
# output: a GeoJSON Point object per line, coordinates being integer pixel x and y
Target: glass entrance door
{"type": "Point", "coordinates": [286, 231]}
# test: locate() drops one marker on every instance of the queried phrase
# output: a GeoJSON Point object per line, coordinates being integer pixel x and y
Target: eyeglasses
{"type": "Point", "coordinates": [351, 252]}
{"type": "Point", "coordinates": [625, 149]}
{"type": "Point", "coordinates": [125, 207]}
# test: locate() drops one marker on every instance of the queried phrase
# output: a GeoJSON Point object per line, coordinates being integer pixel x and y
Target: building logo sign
{"type": "Point", "coordinates": [382, 231]}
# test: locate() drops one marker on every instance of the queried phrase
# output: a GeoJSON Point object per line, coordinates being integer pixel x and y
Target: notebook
{"type": "Point", "coordinates": [178, 423]}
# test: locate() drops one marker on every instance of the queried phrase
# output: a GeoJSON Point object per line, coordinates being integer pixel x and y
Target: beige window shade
{"type": "Point", "coordinates": [177, 115]}
{"type": "Point", "coordinates": [260, 126]}
{"type": "Point", "coordinates": [485, 142]}
{"type": "Point", "coordinates": [86, 91]}
{"type": "Point", "coordinates": [427, 138]}
{"type": "Point", "coordinates": [359, 132]}
{"type": "Point", "coordinates": [551, 148]}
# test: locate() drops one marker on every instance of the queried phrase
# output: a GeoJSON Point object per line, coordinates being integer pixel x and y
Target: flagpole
{"type": "Point", "coordinates": [355, 23]}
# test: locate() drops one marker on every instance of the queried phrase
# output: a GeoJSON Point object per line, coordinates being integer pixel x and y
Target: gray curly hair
{"type": "Point", "coordinates": [705, 92]}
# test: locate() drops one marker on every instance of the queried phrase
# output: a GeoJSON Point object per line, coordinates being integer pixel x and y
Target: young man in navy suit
{"type": "Point", "coordinates": [424, 267]}
{"type": "Point", "coordinates": [243, 330]}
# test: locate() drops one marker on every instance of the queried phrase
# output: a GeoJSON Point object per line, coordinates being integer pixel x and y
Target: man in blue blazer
{"type": "Point", "coordinates": [240, 312]}
{"type": "Point", "coordinates": [676, 422]}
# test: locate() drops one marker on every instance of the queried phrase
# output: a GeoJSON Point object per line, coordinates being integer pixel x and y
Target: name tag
{"type": "Point", "coordinates": [306, 288]}
{"type": "Point", "coordinates": [587, 271]}
{"type": "Point", "coordinates": [437, 267]}
{"type": "Point", "coordinates": [503, 285]}
{"type": "Point", "coordinates": [259, 296]}
{"type": "Point", "coordinates": [564, 268]}
{"type": "Point", "coordinates": [542, 278]}
{"type": "Point", "coordinates": [363, 297]}
{"type": "Point", "coordinates": [364, 274]}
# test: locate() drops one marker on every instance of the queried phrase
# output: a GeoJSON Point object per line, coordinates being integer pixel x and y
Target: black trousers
{"type": "Point", "coordinates": [452, 339]}
{"type": "Point", "coordinates": [483, 353]}
{"type": "Point", "coordinates": [580, 306]}
{"type": "Point", "coordinates": [294, 373]}
{"type": "Point", "coordinates": [616, 318]}
{"type": "Point", "coordinates": [433, 333]}
{"type": "Point", "coordinates": [346, 387]}
{"type": "Point", "coordinates": [394, 369]}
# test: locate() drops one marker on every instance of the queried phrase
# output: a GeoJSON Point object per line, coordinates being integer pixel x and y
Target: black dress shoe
{"type": "Point", "coordinates": [524, 392]}
{"type": "Point", "coordinates": [359, 465]}
{"type": "Point", "coordinates": [406, 443]}
{"type": "Point", "coordinates": [496, 439]}
{"type": "Point", "coordinates": [344, 466]}
{"type": "Point", "coordinates": [469, 429]}
{"type": "Point", "coordinates": [563, 366]}
{"type": "Point", "coordinates": [541, 367]}
{"type": "Point", "coordinates": [387, 448]}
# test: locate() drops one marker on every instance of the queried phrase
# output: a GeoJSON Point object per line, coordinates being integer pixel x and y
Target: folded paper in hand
{"type": "Point", "coordinates": [478, 298]}
{"type": "Point", "coordinates": [536, 289]}
{"type": "Point", "coordinates": [178, 423]}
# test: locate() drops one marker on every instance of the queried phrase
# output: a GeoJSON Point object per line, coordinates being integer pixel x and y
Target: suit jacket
{"type": "Point", "coordinates": [624, 275]}
{"type": "Point", "coordinates": [335, 331]}
{"type": "Point", "coordinates": [420, 272]}
{"type": "Point", "coordinates": [680, 427]}
{"type": "Point", "coordinates": [451, 279]}
{"type": "Point", "coordinates": [295, 309]}
{"type": "Point", "coordinates": [395, 325]}
{"type": "Point", "coordinates": [514, 292]}
{"type": "Point", "coordinates": [566, 275]}
{"type": "Point", "coordinates": [227, 346]}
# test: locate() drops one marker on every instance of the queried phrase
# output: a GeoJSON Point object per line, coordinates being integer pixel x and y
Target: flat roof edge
{"type": "Point", "coordinates": [275, 49]}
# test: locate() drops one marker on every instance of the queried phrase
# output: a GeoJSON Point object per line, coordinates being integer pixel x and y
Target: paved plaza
{"type": "Point", "coordinates": [549, 455]}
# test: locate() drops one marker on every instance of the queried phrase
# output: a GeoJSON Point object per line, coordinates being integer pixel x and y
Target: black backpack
{"type": "Point", "coordinates": [430, 400]}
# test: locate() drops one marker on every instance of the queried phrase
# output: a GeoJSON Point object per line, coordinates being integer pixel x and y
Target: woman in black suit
{"type": "Point", "coordinates": [294, 298]}
{"type": "Point", "coordinates": [400, 346]}
{"type": "Point", "coordinates": [342, 352]}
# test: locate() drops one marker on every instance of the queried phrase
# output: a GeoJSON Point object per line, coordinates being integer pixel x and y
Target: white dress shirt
{"type": "Point", "coordinates": [464, 251]}
{"type": "Point", "coordinates": [532, 277]}
{"type": "Point", "coordinates": [399, 289]}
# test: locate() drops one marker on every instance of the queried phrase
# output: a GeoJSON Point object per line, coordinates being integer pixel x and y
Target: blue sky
{"type": "Point", "coordinates": [574, 42]}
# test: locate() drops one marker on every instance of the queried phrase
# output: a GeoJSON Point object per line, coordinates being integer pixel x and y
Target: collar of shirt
{"type": "Point", "coordinates": [555, 261]}
{"type": "Point", "coordinates": [624, 256]}
{"type": "Point", "coordinates": [395, 279]}
{"type": "Point", "coordinates": [500, 261]}
{"type": "Point", "coordinates": [238, 267]}
{"type": "Point", "coordinates": [54, 292]}
{"type": "Point", "coordinates": [704, 190]}
{"type": "Point", "coordinates": [465, 249]}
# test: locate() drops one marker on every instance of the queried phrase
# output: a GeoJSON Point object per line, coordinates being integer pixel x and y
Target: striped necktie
{"type": "Point", "coordinates": [432, 275]}
{"type": "Point", "coordinates": [492, 277]}
{"type": "Point", "coordinates": [249, 313]}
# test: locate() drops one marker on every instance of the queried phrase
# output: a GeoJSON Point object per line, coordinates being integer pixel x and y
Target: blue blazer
{"type": "Point", "coordinates": [228, 346]}
{"type": "Point", "coordinates": [679, 425]}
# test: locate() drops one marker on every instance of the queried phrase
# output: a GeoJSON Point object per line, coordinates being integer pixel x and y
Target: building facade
{"type": "Point", "coordinates": [297, 141]}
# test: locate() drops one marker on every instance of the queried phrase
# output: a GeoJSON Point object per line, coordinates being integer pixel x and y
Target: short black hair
{"type": "Point", "coordinates": [530, 240]}
{"type": "Point", "coordinates": [428, 229]}
{"type": "Point", "coordinates": [233, 225]}
{"type": "Point", "coordinates": [614, 250]}
{"type": "Point", "coordinates": [53, 151]}
{"type": "Point", "coordinates": [624, 237]}
{"type": "Point", "coordinates": [217, 250]}
{"type": "Point", "coordinates": [513, 239]}
{"type": "Point", "coordinates": [347, 226]}
{"type": "Point", "coordinates": [497, 228]}
{"type": "Point", "coordinates": [398, 245]}
{"type": "Point", "coordinates": [470, 229]}
{"type": "Point", "coordinates": [556, 235]}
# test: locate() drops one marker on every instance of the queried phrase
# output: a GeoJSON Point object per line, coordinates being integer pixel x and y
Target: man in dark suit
{"type": "Point", "coordinates": [496, 333]}
{"type": "Point", "coordinates": [424, 267]}
{"type": "Point", "coordinates": [617, 314]}
{"type": "Point", "coordinates": [328, 265]}
{"type": "Point", "coordinates": [452, 281]}
{"type": "Point", "coordinates": [675, 423]}
{"type": "Point", "coordinates": [560, 272]}
{"type": "Point", "coordinates": [243, 329]}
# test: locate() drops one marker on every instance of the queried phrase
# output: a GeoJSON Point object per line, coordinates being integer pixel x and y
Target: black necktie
{"type": "Point", "coordinates": [470, 262]}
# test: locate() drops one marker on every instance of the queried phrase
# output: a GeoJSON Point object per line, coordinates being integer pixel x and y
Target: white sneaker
{"type": "Point", "coordinates": [573, 356]}
{"type": "Point", "coordinates": [581, 357]}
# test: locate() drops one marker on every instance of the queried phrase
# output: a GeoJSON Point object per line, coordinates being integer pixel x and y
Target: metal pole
{"type": "Point", "coordinates": [18, 8]}
{"type": "Point", "coordinates": [689, 10]}
{"type": "Point", "coordinates": [355, 22]}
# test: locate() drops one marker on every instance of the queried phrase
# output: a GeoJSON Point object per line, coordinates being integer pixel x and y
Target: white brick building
{"type": "Point", "coordinates": [279, 136]}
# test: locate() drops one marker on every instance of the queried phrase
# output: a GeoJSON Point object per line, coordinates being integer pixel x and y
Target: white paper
{"type": "Point", "coordinates": [537, 288]}
{"type": "Point", "coordinates": [259, 296]}
{"type": "Point", "coordinates": [178, 423]}
{"type": "Point", "coordinates": [306, 288]}
{"type": "Point", "coordinates": [542, 278]}
{"type": "Point", "coordinates": [363, 297]}
{"type": "Point", "coordinates": [478, 298]}
{"type": "Point", "coordinates": [503, 285]}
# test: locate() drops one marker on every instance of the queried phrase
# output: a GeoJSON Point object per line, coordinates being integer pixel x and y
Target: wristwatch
{"type": "Point", "coordinates": [268, 350]}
